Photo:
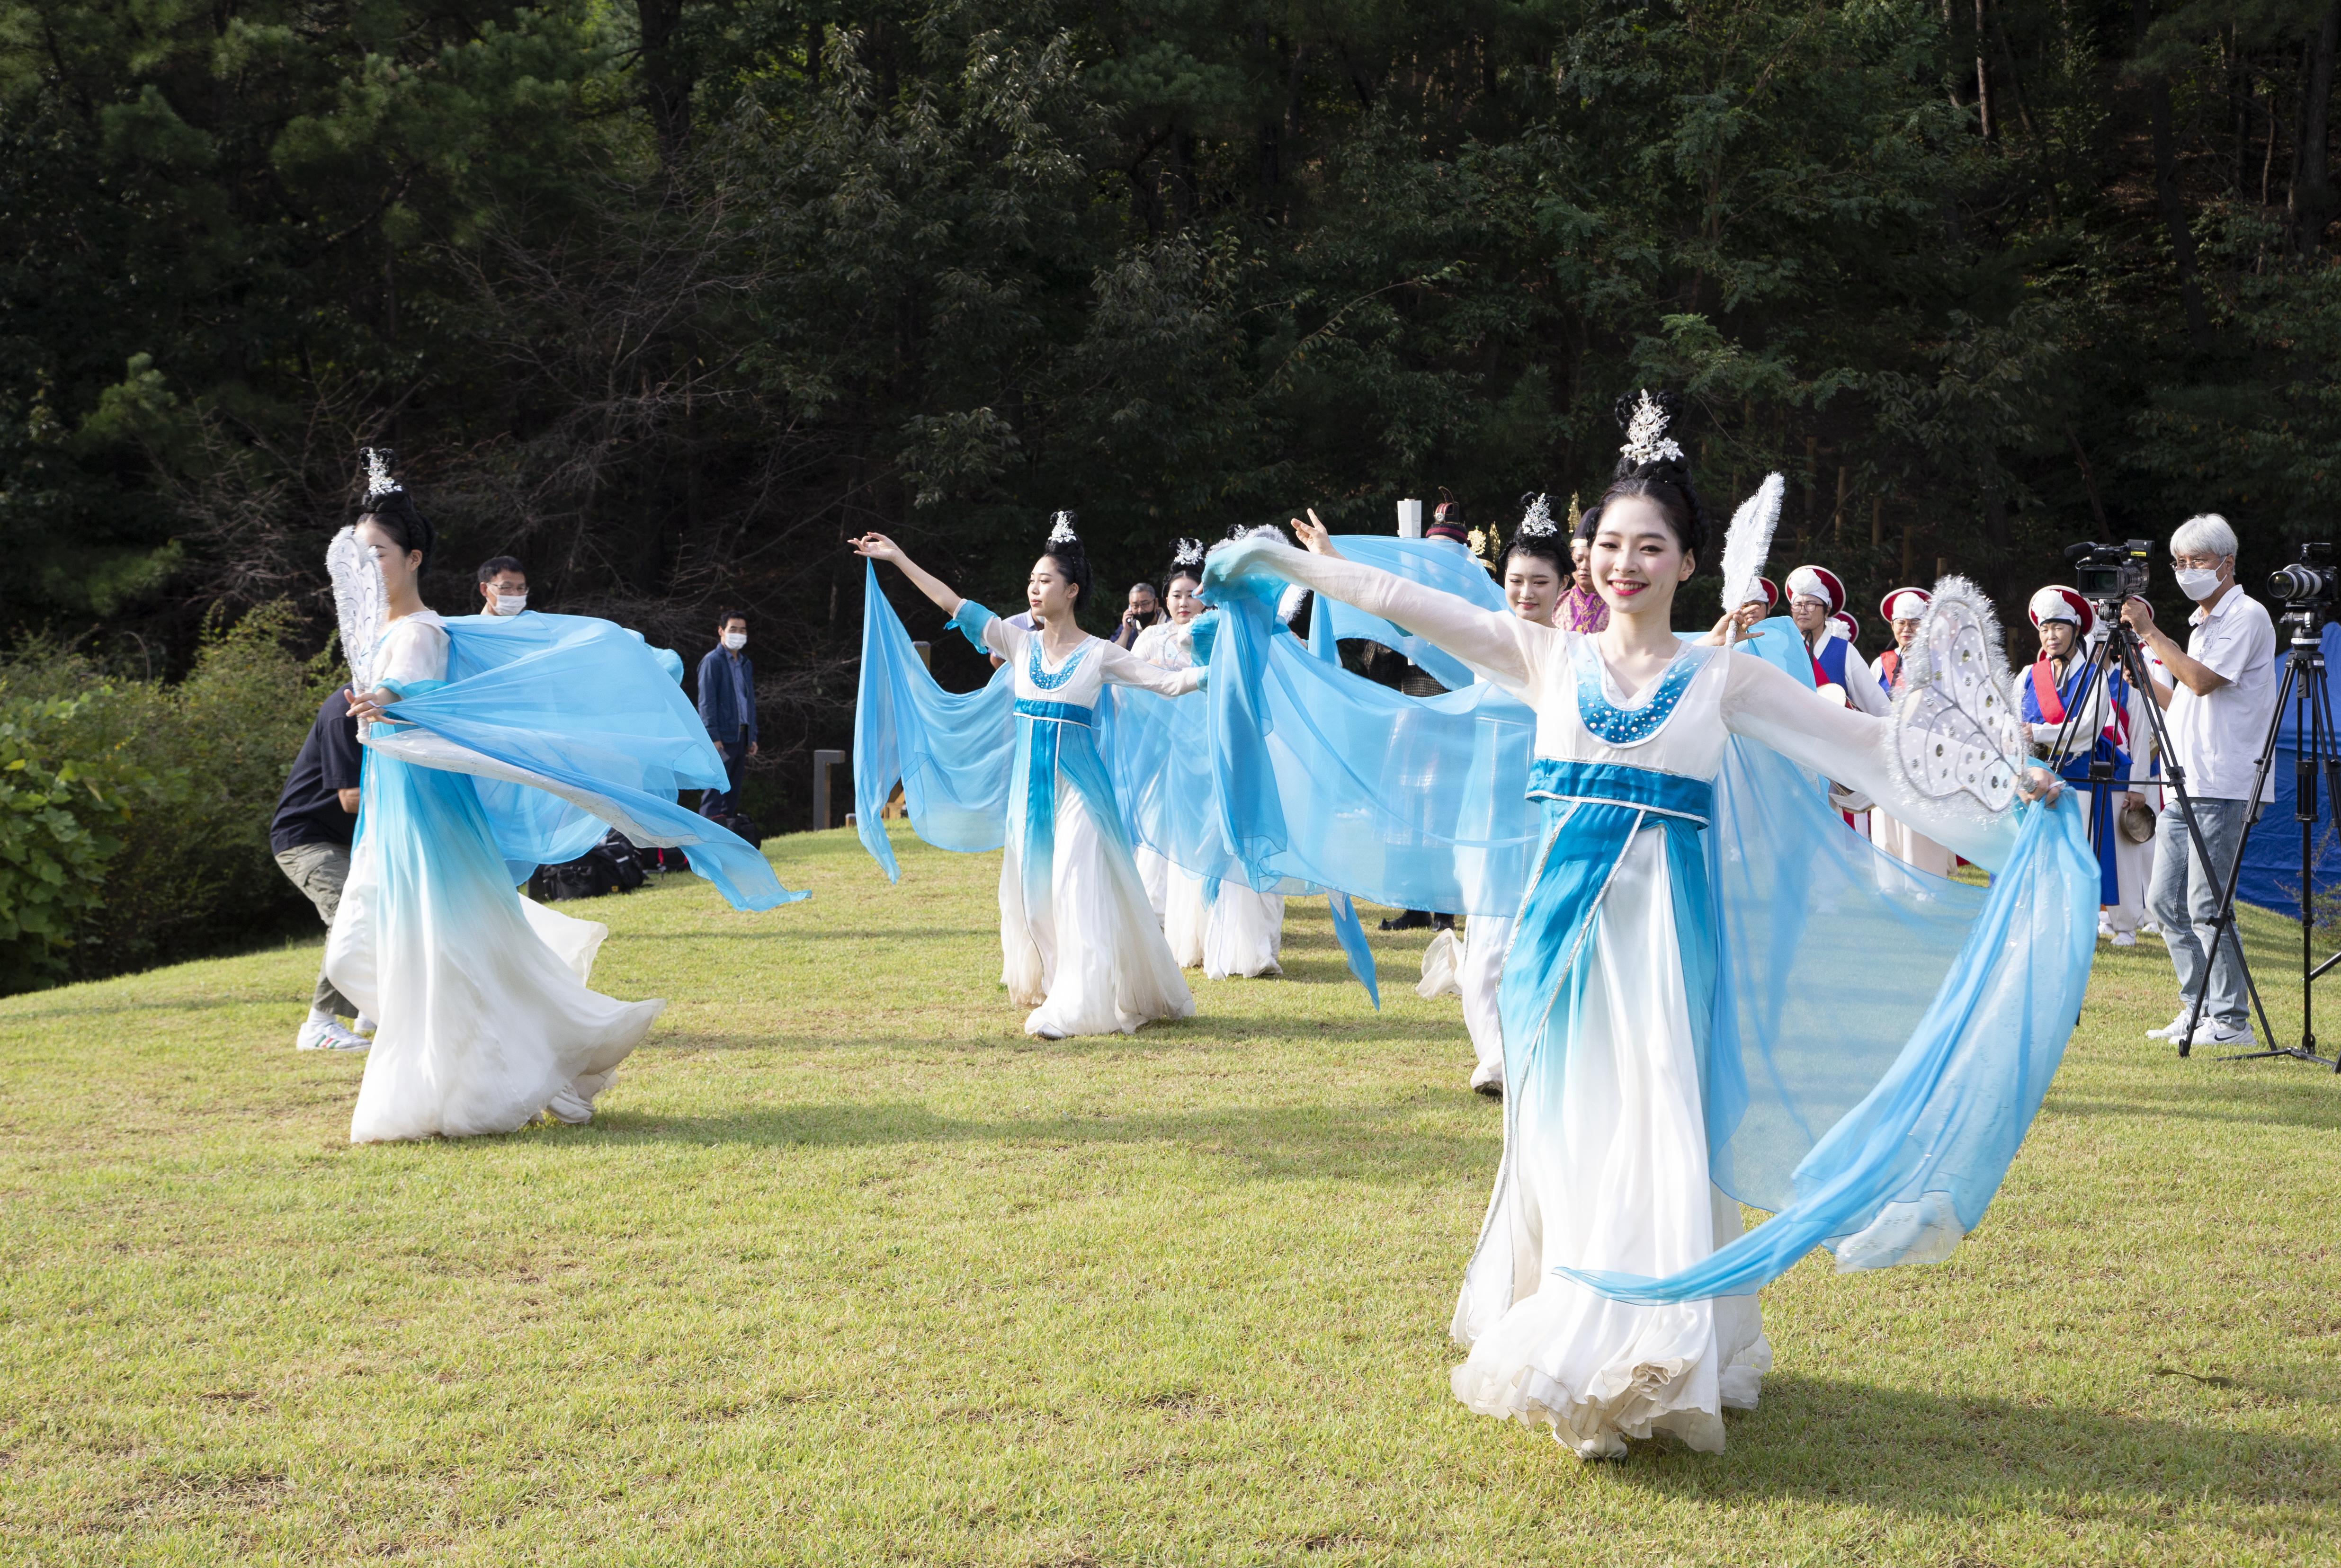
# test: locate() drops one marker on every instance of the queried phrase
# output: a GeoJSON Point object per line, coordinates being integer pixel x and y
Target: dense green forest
{"type": "Point", "coordinates": [669, 296]}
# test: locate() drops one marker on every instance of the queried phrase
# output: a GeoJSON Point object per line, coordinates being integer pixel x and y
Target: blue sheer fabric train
{"type": "Point", "coordinates": [957, 758]}
{"type": "Point", "coordinates": [509, 742]}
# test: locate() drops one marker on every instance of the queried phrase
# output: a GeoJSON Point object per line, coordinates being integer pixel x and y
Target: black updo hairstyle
{"type": "Point", "coordinates": [1064, 547]}
{"type": "Point", "coordinates": [1538, 537]}
{"type": "Point", "coordinates": [389, 508]}
{"type": "Point", "coordinates": [1654, 468]}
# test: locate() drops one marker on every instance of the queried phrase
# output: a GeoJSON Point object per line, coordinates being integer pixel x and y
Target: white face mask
{"type": "Point", "coordinates": [735, 640]}
{"type": "Point", "coordinates": [2197, 583]}
{"type": "Point", "coordinates": [510, 603]}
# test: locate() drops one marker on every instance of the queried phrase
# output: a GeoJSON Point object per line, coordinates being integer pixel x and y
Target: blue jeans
{"type": "Point", "coordinates": [725, 802]}
{"type": "Point", "coordinates": [2185, 898]}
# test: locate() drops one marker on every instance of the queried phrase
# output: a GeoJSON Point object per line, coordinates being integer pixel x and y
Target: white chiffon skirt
{"type": "Point", "coordinates": [1094, 960]}
{"type": "Point", "coordinates": [482, 1014]}
{"type": "Point", "coordinates": [1605, 1167]}
{"type": "Point", "coordinates": [1240, 935]}
{"type": "Point", "coordinates": [1480, 976]}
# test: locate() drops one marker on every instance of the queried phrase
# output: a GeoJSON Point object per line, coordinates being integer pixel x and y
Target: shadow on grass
{"type": "Point", "coordinates": [2272, 1101]}
{"type": "Point", "coordinates": [1819, 1439]}
{"type": "Point", "coordinates": [1373, 1143]}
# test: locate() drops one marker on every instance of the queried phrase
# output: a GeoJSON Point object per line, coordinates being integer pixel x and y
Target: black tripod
{"type": "Point", "coordinates": [2122, 645]}
{"type": "Point", "coordinates": [2318, 745]}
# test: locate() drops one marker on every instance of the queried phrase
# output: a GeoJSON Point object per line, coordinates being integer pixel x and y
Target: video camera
{"type": "Point", "coordinates": [2105, 574]}
{"type": "Point", "coordinates": [2310, 585]}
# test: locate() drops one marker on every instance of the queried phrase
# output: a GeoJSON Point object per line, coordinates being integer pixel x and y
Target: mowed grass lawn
{"type": "Point", "coordinates": [850, 1271]}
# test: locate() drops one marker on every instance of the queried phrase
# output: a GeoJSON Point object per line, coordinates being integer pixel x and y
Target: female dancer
{"type": "Point", "coordinates": [1079, 942]}
{"type": "Point", "coordinates": [1608, 993]}
{"type": "Point", "coordinates": [1238, 932]}
{"type": "Point", "coordinates": [484, 1016]}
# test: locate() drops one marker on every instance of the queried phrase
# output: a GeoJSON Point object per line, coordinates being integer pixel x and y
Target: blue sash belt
{"type": "Point", "coordinates": [1056, 712]}
{"type": "Point", "coordinates": [1610, 783]}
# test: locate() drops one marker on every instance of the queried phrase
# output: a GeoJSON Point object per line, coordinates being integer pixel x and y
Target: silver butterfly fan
{"type": "Point", "coordinates": [1957, 731]}
{"type": "Point", "coordinates": [361, 602]}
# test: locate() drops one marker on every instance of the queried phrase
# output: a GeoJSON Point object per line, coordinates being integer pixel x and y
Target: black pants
{"type": "Point", "coordinates": [725, 802]}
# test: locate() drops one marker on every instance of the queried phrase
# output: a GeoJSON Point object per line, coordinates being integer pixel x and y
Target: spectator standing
{"type": "Point", "coordinates": [504, 586]}
{"type": "Point", "coordinates": [727, 706]}
{"type": "Point", "coordinates": [315, 823]}
{"type": "Point", "coordinates": [1144, 609]}
{"type": "Point", "coordinates": [2221, 695]}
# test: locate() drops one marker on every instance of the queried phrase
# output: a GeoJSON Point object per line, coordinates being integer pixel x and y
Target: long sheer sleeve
{"type": "Point", "coordinates": [1506, 649]}
{"type": "Point", "coordinates": [1766, 705]}
{"type": "Point", "coordinates": [1123, 668]}
{"type": "Point", "coordinates": [413, 653]}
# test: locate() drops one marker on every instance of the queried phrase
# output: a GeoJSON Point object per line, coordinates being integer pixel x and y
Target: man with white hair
{"type": "Point", "coordinates": [1816, 593]}
{"type": "Point", "coordinates": [2221, 697]}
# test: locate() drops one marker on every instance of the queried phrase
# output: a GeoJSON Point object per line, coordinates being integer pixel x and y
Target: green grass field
{"type": "Point", "coordinates": [850, 1271]}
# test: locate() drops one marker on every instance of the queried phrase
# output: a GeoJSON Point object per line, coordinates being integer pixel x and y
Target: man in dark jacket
{"type": "Point", "coordinates": [316, 821]}
{"type": "Point", "coordinates": [727, 706]}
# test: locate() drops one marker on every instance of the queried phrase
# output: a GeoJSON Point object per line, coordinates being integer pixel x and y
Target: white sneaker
{"type": "Point", "coordinates": [327, 1035]}
{"type": "Point", "coordinates": [570, 1106]}
{"type": "Point", "coordinates": [2150, 929]}
{"type": "Point", "coordinates": [2210, 1032]}
{"type": "Point", "coordinates": [2170, 1030]}
{"type": "Point", "coordinates": [2105, 928]}
{"type": "Point", "coordinates": [365, 1025]}
{"type": "Point", "coordinates": [2125, 938]}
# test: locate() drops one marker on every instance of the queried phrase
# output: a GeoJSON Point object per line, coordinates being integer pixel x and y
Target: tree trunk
{"type": "Point", "coordinates": [2165, 188]}
{"type": "Point", "coordinates": [2311, 203]}
{"type": "Point", "coordinates": [666, 79]}
{"type": "Point", "coordinates": [1983, 77]}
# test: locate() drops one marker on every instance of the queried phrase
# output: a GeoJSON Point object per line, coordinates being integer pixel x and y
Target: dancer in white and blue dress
{"type": "Point", "coordinates": [492, 743]}
{"type": "Point", "coordinates": [1079, 945]}
{"type": "Point", "coordinates": [1584, 1306]}
{"type": "Point", "coordinates": [1228, 930]}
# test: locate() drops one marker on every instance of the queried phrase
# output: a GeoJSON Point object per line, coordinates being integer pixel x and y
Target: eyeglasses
{"type": "Point", "coordinates": [2196, 562]}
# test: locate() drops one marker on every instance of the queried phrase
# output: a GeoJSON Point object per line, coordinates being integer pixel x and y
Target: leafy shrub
{"type": "Point", "coordinates": [163, 853]}
{"type": "Point", "coordinates": [66, 798]}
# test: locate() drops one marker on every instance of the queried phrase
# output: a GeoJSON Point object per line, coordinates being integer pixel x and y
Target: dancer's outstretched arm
{"type": "Point", "coordinates": [878, 547]}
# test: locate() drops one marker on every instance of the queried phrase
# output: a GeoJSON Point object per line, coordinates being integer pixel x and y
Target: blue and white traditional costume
{"type": "Point", "coordinates": [513, 741]}
{"type": "Point", "coordinates": [1655, 963]}
{"type": "Point", "coordinates": [1079, 943]}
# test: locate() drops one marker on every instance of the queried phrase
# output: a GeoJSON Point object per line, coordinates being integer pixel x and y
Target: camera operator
{"type": "Point", "coordinates": [2218, 707]}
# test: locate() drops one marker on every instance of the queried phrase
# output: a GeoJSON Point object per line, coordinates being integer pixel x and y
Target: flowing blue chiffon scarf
{"type": "Point", "coordinates": [571, 726]}
{"type": "Point", "coordinates": [1878, 1038]}
{"type": "Point", "coordinates": [962, 764]}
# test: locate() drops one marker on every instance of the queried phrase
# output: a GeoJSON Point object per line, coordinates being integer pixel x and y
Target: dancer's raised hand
{"type": "Point", "coordinates": [1313, 535]}
{"type": "Point", "coordinates": [878, 547]}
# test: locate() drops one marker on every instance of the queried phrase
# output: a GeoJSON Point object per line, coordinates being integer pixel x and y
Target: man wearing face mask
{"type": "Point", "coordinates": [727, 706]}
{"type": "Point", "coordinates": [504, 586]}
{"type": "Point", "coordinates": [2219, 703]}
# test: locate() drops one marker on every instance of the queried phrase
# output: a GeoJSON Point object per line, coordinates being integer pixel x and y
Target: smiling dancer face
{"type": "Point", "coordinates": [1534, 582]}
{"type": "Point", "coordinates": [1184, 601]}
{"type": "Point", "coordinates": [1638, 560]}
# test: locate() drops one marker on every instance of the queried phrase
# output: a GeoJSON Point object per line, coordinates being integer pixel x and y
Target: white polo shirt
{"type": "Point", "coordinates": [2217, 737]}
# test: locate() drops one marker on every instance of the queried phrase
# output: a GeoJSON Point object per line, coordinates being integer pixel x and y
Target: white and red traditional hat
{"type": "Point", "coordinates": [1768, 593]}
{"type": "Point", "coordinates": [1845, 625]}
{"type": "Point", "coordinates": [1817, 582]}
{"type": "Point", "coordinates": [2057, 602]}
{"type": "Point", "coordinates": [1905, 604]}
